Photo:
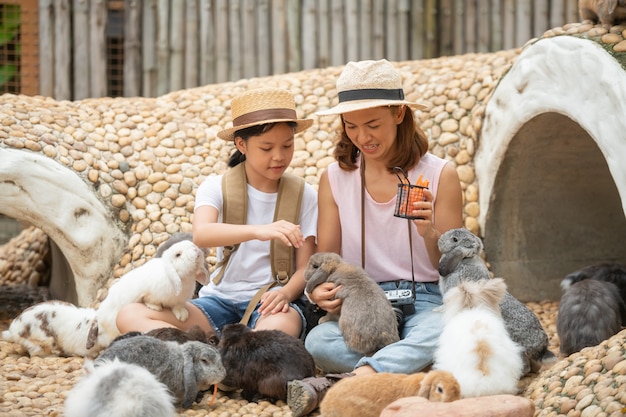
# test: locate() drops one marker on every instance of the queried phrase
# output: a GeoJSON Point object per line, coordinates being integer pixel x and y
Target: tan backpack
{"type": "Point", "coordinates": [235, 210]}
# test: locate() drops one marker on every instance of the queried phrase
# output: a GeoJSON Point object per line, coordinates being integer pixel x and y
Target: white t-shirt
{"type": "Point", "coordinates": [249, 268]}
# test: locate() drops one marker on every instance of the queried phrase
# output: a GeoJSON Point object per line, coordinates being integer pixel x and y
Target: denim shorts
{"type": "Point", "coordinates": [220, 311]}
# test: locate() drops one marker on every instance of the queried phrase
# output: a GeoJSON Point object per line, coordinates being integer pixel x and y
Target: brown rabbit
{"type": "Point", "coordinates": [607, 12]}
{"type": "Point", "coordinates": [368, 395]}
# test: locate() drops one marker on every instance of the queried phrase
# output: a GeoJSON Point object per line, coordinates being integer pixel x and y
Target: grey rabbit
{"type": "Point", "coordinates": [460, 261]}
{"type": "Point", "coordinates": [118, 389]}
{"type": "Point", "coordinates": [185, 369]}
{"type": "Point", "coordinates": [367, 320]}
{"type": "Point", "coordinates": [261, 362]}
{"type": "Point", "coordinates": [590, 311]}
{"type": "Point", "coordinates": [608, 272]}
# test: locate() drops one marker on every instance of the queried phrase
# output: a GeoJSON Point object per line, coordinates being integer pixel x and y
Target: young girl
{"type": "Point", "coordinates": [264, 125]}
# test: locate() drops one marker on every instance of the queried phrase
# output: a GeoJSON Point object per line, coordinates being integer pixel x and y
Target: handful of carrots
{"type": "Point", "coordinates": [409, 194]}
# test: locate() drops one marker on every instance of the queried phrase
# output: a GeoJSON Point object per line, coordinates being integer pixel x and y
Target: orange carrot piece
{"type": "Point", "coordinates": [214, 396]}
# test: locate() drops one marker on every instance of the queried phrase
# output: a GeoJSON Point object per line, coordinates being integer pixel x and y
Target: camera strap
{"type": "Point", "coordinates": [362, 172]}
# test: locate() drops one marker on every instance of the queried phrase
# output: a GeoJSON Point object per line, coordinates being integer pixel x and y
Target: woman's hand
{"type": "Point", "coordinates": [324, 295]}
{"type": "Point", "coordinates": [424, 210]}
{"type": "Point", "coordinates": [289, 233]}
{"type": "Point", "coordinates": [273, 302]}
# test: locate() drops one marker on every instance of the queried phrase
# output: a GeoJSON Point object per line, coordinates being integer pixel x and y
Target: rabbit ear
{"type": "Point", "coordinates": [450, 261]}
{"type": "Point", "coordinates": [202, 275]}
{"type": "Point", "coordinates": [425, 386]}
{"type": "Point", "coordinates": [168, 268]}
{"type": "Point", "coordinates": [320, 275]}
{"type": "Point", "coordinates": [189, 376]}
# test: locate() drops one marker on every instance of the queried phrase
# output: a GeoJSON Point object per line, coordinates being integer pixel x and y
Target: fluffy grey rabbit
{"type": "Point", "coordinates": [590, 312]}
{"type": "Point", "coordinates": [118, 389]}
{"type": "Point", "coordinates": [460, 261]}
{"type": "Point", "coordinates": [366, 320]}
{"type": "Point", "coordinates": [607, 272]}
{"type": "Point", "coordinates": [185, 369]}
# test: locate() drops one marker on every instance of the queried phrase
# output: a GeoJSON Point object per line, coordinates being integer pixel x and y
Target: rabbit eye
{"type": "Point", "coordinates": [455, 239]}
{"type": "Point", "coordinates": [439, 389]}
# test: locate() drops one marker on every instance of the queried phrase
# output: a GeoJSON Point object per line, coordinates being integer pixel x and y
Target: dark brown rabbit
{"type": "Point", "coordinates": [261, 362]}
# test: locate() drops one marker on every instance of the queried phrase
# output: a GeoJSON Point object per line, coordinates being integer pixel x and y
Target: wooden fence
{"type": "Point", "coordinates": [174, 44]}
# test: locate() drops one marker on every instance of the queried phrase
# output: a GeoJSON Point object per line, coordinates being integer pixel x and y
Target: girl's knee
{"type": "Point", "coordinates": [290, 322]}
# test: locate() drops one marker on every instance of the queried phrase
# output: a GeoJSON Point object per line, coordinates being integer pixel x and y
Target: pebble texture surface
{"type": "Point", "coordinates": [145, 158]}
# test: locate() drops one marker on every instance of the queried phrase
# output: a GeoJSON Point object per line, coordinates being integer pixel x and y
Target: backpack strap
{"type": "Point", "coordinates": [288, 204]}
{"type": "Point", "coordinates": [235, 209]}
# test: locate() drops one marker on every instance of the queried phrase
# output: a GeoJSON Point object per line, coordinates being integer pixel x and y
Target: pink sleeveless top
{"type": "Point", "coordinates": [387, 253]}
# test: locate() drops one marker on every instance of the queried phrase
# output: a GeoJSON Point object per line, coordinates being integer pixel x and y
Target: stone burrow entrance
{"type": "Point", "coordinates": [550, 167]}
{"type": "Point", "coordinates": [86, 240]}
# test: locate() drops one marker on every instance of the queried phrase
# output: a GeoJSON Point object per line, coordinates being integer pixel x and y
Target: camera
{"type": "Point", "coordinates": [401, 303]}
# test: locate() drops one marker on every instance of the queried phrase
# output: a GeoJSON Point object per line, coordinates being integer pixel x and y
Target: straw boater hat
{"type": "Point", "coordinates": [261, 106]}
{"type": "Point", "coordinates": [368, 84]}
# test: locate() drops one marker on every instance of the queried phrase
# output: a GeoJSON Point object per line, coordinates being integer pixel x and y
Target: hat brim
{"type": "Point", "coordinates": [354, 105]}
{"type": "Point", "coordinates": [229, 134]}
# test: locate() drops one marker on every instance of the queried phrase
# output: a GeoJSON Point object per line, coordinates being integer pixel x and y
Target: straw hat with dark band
{"type": "Point", "coordinates": [261, 106]}
{"type": "Point", "coordinates": [368, 84]}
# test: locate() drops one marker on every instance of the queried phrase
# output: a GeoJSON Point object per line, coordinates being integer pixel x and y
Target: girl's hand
{"type": "Point", "coordinates": [324, 295]}
{"type": "Point", "coordinates": [273, 302]}
{"type": "Point", "coordinates": [289, 233]}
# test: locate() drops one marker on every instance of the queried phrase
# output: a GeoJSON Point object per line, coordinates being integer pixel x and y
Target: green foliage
{"type": "Point", "coordinates": [9, 32]}
{"type": "Point", "coordinates": [9, 23]}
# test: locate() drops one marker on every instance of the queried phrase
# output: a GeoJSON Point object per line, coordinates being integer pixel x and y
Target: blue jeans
{"type": "Point", "coordinates": [220, 312]}
{"type": "Point", "coordinates": [415, 350]}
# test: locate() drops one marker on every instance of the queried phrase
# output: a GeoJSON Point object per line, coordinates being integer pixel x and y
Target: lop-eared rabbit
{"type": "Point", "coordinates": [367, 320]}
{"type": "Point", "coordinates": [368, 395]}
{"type": "Point", "coordinates": [118, 389]}
{"type": "Point", "coordinates": [474, 344]}
{"type": "Point", "coordinates": [261, 362]}
{"type": "Point", "coordinates": [57, 328]}
{"type": "Point", "coordinates": [607, 12]}
{"type": "Point", "coordinates": [185, 369]}
{"type": "Point", "coordinates": [165, 282]}
{"type": "Point", "coordinates": [460, 261]}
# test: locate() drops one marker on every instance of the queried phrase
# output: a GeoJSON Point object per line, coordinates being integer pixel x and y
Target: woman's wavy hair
{"type": "Point", "coordinates": [411, 145]}
{"type": "Point", "coordinates": [237, 157]}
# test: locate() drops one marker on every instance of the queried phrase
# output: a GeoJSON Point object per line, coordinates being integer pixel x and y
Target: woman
{"type": "Point", "coordinates": [264, 125]}
{"type": "Point", "coordinates": [356, 203]}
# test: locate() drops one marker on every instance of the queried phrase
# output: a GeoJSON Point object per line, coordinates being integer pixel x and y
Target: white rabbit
{"type": "Point", "coordinates": [474, 344]}
{"type": "Point", "coordinates": [165, 282]}
{"type": "Point", "coordinates": [118, 389]}
{"type": "Point", "coordinates": [57, 328]}
{"type": "Point", "coordinates": [461, 262]}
